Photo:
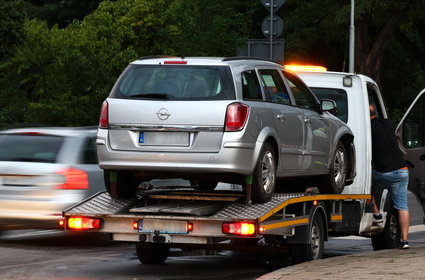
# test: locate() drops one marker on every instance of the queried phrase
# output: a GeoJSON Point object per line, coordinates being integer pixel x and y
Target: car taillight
{"type": "Point", "coordinates": [239, 228]}
{"type": "Point", "coordinates": [103, 120]}
{"type": "Point", "coordinates": [236, 116]}
{"type": "Point", "coordinates": [81, 223]}
{"type": "Point", "coordinates": [75, 179]}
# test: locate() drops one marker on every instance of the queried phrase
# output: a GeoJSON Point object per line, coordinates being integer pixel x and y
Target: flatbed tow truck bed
{"type": "Point", "coordinates": [186, 218]}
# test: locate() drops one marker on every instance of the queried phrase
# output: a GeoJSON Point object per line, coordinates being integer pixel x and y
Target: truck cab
{"type": "Point", "coordinates": [353, 93]}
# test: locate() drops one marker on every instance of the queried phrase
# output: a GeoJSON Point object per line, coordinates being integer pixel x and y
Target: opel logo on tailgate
{"type": "Point", "coordinates": [163, 114]}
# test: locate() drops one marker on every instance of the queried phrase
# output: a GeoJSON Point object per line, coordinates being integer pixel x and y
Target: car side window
{"type": "Point", "coordinates": [89, 155]}
{"type": "Point", "coordinates": [251, 86]}
{"type": "Point", "coordinates": [274, 87]}
{"type": "Point", "coordinates": [302, 95]}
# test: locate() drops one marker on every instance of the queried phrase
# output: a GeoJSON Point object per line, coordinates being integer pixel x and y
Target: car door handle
{"type": "Point", "coordinates": [307, 120]}
{"type": "Point", "coordinates": [280, 117]}
{"type": "Point", "coordinates": [422, 157]}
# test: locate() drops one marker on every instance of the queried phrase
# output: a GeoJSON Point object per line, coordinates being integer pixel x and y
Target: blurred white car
{"type": "Point", "coordinates": [43, 171]}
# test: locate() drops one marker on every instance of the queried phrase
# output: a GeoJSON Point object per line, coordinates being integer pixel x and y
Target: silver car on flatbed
{"type": "Point", "coordinates": [210, 120]}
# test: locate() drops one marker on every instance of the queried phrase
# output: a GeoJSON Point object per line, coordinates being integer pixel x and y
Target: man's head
{"type": "Point", "coordinates": [372, 112]}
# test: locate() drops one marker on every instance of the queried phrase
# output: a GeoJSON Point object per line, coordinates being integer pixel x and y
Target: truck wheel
{"type": "Point", "coordinates": [389, 238]}
{"type": "Point", "coordinates": [152, 253]}
{"type": "Point", "coordinates": [264, 177]}
{"type": "Point", "coordinates": [313, 250]}
{"type": "Point", "coordinates": [334, 182]}
{"type": "Point", "coordinates": [203, 184]}
{"type": "Point", "coordinates": [126, 184]}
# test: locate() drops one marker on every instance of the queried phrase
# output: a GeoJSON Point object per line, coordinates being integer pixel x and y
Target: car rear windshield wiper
{"type": "Point", "coordinates": [152, 95]}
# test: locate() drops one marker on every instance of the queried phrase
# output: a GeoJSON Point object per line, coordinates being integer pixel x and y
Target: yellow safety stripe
{"type": "Point", "coordinates": [312, 198]}
{"type": "Point", "coordinates": [286, 223]}
{"type": "Point", "coordinates": [335, 218]}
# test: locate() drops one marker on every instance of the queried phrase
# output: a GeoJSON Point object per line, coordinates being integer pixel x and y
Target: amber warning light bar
{"type": "Point", "coordinates": [295, 68]}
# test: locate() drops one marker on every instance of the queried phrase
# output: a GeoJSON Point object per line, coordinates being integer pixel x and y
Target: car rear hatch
{"type": "Point", "coordinates": [179, 108]}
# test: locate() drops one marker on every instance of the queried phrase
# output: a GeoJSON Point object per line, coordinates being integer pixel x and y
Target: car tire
{"type": "Point", "coordinates": [152, 253]}
{"type": "Point", "coordinates": [203, 184]}
{"type": "Point", "coordinates": [335, 181]}
{"type": "Point", "coordinates": [264, 177]}
{"type": "Point", "coordinates": [126, 184]}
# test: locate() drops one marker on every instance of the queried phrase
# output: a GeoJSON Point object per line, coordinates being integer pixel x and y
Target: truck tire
{"type": "Point", "coordinates": [126, 184]}
{"type": "Point", "coordinates": [389, 238]}
{"type": "Point", "coordinates": [335, 181]}
{"type": "Point", "coordinates": [203, 184]}
{"type": "Point", "coordinates": [264, 177]}
{"type": "Point", "coordinates": [313, 250]}
{"type": "Point", "coordinates": [152, 253]}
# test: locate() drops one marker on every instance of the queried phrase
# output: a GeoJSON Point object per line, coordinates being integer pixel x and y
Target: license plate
{"type": "Point", "coordinates": [153, 138]}
{"type": "Point", "coordinates": [162, 226]}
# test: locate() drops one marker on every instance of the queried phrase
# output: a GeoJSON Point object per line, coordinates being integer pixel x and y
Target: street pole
{"type": "Point", "coordinates": [352, 38]}
{"type": "Point", "coordinates": [271, 28]}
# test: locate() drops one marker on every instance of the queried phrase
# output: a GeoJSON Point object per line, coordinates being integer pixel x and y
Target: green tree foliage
{"type": "Point", "coordinates": [60, 76]}
{"type": "Point", "coordinates": [57, 69]}
{"type": "Point", "coordinates": [12, 16]}
{"type": "Point", "coordinates": [62, 12]}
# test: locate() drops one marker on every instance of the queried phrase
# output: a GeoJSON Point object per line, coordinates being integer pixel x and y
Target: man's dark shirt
{"type": "Point", "coordinates": [386, 154]}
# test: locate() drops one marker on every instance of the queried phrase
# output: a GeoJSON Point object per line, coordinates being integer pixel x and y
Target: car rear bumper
{"type": "Point", "coordinates": [237, 158]}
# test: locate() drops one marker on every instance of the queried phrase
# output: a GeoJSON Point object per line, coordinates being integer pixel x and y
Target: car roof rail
{"type": "Point", "coordinates": [156, 56]}
{"type": "Point", "coordinates": [232, 58]}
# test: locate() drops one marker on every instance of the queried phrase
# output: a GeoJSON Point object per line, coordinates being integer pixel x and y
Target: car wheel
{"type": "Point", "coordinates": [152, 253]}
{"type": "Point", "coordinates": [264, 177]}
{"type": "Point", "coordinates": [334, 182]}
{"type": "Point", "coordinates": [126, 184]}
{"type": "Point", "coordinates": [203, 184]}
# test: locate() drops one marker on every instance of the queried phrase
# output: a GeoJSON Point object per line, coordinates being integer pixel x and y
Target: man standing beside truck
{"type": "Point", "coordinates": [390, 171]}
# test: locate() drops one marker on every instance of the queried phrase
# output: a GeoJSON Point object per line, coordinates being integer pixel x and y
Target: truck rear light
{"type": "Point", "coordinates": [236, 116]}
{"type": "Point", "coordinates": [189, 227]}
{"type": "Point", "coordinates": [83, 223]}
{"type": "Point", "coordinates": [104, 119]}
{"type": "Point", "coordinates": [239, 228]}
{"type": "Point", "coordinates": [75, 179]}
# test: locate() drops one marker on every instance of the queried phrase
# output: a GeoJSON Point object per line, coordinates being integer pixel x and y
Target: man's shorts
{"type": "Point", "coordinates": [396, 183]}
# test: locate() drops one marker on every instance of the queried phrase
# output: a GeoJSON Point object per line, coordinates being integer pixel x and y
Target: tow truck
{"type": "Point", "coordinates": [160, 218]}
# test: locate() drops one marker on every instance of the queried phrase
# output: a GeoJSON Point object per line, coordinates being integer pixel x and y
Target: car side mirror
{"type": "Point", "coordinates": [328, 105]}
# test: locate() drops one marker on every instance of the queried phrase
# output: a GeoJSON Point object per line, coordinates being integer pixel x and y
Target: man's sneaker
{"type": "Point", "coordinates": [404, 244]}
{"type": "Point", "coordinates": [377, 218]}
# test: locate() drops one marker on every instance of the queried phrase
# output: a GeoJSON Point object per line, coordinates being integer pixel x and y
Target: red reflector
{"type": "Point", "coordinates": [189, 227]}
{"type": "Point", "coordinates": [82, 223]}
{"type": "Point", "coordinates": [175, 62]}
{"type": "Point", "coordinates": [261, 230]}
{"type": "Point", "coordinates": [103, 120]}
{"type": "Point", "coordinates": [242, 228]}
{"type": "Point", "coordinates": [236, 116]}
{"type": "Point", "coordinates": [75, 179]}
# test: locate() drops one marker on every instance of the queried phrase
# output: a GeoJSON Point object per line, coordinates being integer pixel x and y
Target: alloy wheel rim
{"type": "Point", "coordinates": [339, 168]}
{"type": "Point", "coordinates": [268, 172]}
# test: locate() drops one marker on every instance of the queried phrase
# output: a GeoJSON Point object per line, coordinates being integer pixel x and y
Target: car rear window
{"type": "Point", "coordinates": [29, 147]}
{"type": "Point", "coordinates": [337, 95]}
{"type": "Point", "coordinates": [175, 82]}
